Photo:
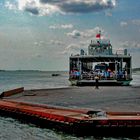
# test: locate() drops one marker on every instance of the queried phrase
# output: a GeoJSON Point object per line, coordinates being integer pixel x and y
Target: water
{"type": "Point", "coordinates": [32, 79]}
{"type": "Point", "coordinates": [14, 130]}
{"type": "Point", "coordinates": [136, 79]}
{"type": "Point", "coordinates": [11, 129]}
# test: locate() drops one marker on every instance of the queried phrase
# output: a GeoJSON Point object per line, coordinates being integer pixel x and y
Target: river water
{"type": "Point", "coordinates": [11, 129]}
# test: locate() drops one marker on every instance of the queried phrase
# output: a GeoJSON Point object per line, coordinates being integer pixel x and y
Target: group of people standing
{"type": "Point", "coordinates": [101, 74]}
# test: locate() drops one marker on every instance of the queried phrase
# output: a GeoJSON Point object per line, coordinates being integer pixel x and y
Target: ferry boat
{"type": "Point", "coordinates": [111, 68]}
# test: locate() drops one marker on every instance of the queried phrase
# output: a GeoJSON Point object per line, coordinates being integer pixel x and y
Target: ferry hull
{"type": "Point", "coordinates": [100, 83]}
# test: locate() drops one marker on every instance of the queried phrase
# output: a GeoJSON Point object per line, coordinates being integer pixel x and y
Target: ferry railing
{"type": "Point", "coordinates": [89, 76]}
{"type": "Point", "coordinates": [92, 77]}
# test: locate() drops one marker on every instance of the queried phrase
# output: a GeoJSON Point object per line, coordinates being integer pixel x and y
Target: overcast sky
{"type": "Point", "coordinates": [41, 34]}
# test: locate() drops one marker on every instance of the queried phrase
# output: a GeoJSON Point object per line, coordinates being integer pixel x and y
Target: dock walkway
{"type": "Point", "coordinates": [118, 98]}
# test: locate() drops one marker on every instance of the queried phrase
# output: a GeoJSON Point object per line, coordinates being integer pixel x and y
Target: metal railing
{"type": "Point", "coordinates": [89, 76]}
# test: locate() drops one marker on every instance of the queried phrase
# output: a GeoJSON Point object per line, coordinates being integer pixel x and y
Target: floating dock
{"type": "Point", "coordinates": [78, 122]}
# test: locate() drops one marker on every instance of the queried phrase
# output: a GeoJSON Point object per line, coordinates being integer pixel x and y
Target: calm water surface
{"type": "Point", "coordinates": [32, 79]}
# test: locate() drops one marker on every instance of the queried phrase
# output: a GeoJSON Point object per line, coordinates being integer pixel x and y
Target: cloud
{"type": "Point", "coordinates": [88, 33]}
{"type": "Point", "coordinates": [63, 26]}
{"type": "Point", "coordinates": [10, 6]}
{"type": "Point", "coordinates": [123, 24]}
{"type": "Point", "coordinates": [109, 14]}
{"type": "Point", "coordinates": [34, 7]}
{"type": "Point", "coordinates": [45, 7]}
{"type": "Point", "coordinates": [75, 34]}
{"type": "Point", "coordinates": [75, 48]}
{"type": "Point", "coordinates": [39, 43]}
{"type": "Point", "coordinates": [72, 48]}
{"type": "Point", "coordinates": [130, 44]}
{"type": "Point", "coordinates": [66, 26]}
{"type": "Point", "coordinates": [33, 10]}
{"type": "Point", "coordinates": [136, 22]}
{"type": "Point", "coordinates": [44, 44]}
{"type": "Point", "coordinates": [83, 35]}
{"type": "Point", "coordinates": [56, 42]}
{"type": "Point", "coordinates": [130, 22]}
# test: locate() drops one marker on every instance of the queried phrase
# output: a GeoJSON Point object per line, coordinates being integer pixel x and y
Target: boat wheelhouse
{"type": "Point", "coordinates": [111, 68]}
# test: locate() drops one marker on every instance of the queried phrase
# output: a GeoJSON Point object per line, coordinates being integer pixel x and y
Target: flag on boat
{"type": "Point", "coordinates": [98, 35]}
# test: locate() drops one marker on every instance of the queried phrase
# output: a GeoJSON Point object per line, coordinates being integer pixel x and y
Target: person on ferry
{"type": "Point", "coordinates": [121, 74]}
{"type": "Point", "coordinates": [74, 74]}
{"type": "Point", "coordinates": [108, 73]}
{"type": "Point", "coordinates": [105, 74]}
{"type": "Point", "coordinates": [102, 74]}
{"type": "Point", "coordinates": [77, 74]}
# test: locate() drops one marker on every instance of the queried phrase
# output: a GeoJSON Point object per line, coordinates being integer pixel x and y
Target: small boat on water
{"type": "Point", "coordinates": [111, 68]}
{"type": "Point", "coordinates": [55, 74]}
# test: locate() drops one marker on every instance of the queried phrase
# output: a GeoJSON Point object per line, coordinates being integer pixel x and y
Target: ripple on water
{"type": "Point", "coordinates": [10, 129]}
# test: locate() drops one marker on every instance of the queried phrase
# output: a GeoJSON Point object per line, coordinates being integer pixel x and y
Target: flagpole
{"type": "Point", "coordinates": [100, 35]}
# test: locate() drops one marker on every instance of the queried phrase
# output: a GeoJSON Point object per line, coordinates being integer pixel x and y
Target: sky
{"type": "Point", "coordinates": [42, 34]}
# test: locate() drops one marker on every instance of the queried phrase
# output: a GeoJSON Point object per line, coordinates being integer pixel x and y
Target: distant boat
{"type": "Point", "coordinates": [55, 74]}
